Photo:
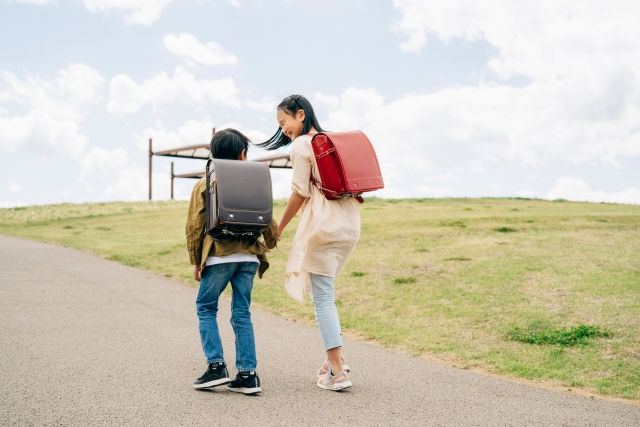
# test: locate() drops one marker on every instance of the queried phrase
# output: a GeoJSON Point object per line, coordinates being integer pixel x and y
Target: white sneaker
{"type": "Point", "coordinates": [336, 382]}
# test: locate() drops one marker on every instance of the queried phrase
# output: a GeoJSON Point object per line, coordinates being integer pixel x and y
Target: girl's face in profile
{"type": "Point", "coordinates": [291, 125]}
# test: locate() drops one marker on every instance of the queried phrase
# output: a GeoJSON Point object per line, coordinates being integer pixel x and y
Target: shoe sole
{"type": "Point", "coordinates": [340, 386]}
{"type": "Point", "coordinates": [213, 383]}
{"type": "Point", "coordinates": [245, 390]}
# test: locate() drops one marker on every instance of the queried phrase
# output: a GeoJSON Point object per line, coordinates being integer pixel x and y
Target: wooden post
{"type": "Point", "coordinates": [172, 176]}
{"type": "Point", "coordinates": [150, 165]}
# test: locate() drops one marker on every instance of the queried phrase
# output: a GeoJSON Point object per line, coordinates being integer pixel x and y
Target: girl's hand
{"type": "Point", "coordinates": [279, 232]}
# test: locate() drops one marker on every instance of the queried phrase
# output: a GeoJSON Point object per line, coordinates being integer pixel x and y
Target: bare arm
{"type": "Point", "coordinates": [293, 206]}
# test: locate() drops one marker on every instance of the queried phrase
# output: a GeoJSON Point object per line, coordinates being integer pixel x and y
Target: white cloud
{"type": "Point", "coordinates": [14, 187]}
{"type": "Point", "coordinates": [548, 29]}
{"type": "Point", "coordinates": [187, 45]}
{"type": "Point", "coordinates": [126, 96]}
{"type": "Point", "coordinates": [576, 189]}
{"type": "Point", "coordinates": [102, 160]}
{"type": "Point", "coordinates": [143, 12]}
{"type": "Point", "coordinates": [235, 3]}
{"type": "Point", "coordinates": [126, 181]}
{"type": "Point", "coordinates": [132, 183]}
{"type": "Point", "coordinates": [41, 134]}
{"type": "Point", "coordinates": [582, 60]}
{"type": "Point", "coordinates": [416, 133]}
{"type": "Point", "coordinates": [419, 137]}
{"type": "Point", "coordinates": [464, 128]}
{"type": "Point", "coordinates": [190, 133]}
{"type": "Point", "coordinates": [55, 108]}
{"type": "Point", "coordinates": [82, 83]}
{"type": "Point", "coordinates": [328, 100]}
{"type": "Point", "coordinates": [268, 105]}
{"type": "Point", "coordinates": [62, 98]}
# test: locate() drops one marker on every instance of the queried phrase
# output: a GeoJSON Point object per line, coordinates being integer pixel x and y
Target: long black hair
{"type": "Point", "coordinates": [291, 105]}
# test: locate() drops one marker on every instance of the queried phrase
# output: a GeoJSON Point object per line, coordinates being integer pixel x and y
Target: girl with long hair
{"type": "Point", "coordinates": [327, 234]}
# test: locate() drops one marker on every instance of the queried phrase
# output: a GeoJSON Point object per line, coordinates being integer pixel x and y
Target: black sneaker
{"type": "Point", "coordinates": [245, 382]}
{"type": "Point", "coordinates": [216, 375]}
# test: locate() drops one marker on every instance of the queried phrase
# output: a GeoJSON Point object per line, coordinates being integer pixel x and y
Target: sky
{"type": "Point", "coordinates": [460, 98]}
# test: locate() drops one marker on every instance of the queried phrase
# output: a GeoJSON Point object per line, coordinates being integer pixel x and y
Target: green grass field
{"type": "Point", "coordinates": [546, 291]}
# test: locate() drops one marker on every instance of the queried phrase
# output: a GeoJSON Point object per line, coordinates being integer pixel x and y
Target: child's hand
{"type": "Point", "coordinates": [196, 273]}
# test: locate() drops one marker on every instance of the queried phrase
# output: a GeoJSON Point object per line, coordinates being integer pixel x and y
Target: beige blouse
{"type": "Point", "coordinates": [328, 229]}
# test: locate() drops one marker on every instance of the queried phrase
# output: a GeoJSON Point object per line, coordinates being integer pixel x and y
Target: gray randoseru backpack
{"type": "Point", "coordinates": [239, 198]}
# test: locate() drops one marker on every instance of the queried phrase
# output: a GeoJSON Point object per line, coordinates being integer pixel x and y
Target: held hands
{"type": "Point", "coordinates": [196, 273]}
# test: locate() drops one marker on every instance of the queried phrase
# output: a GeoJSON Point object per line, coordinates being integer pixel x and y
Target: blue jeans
{"type": "Point", "coordinates": [213, 281]}
{"type": "Point", "coordinates": [324, 307]}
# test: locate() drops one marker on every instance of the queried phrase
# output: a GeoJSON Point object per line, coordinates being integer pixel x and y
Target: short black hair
{"type": "Point", "coordinates": [228, 144]}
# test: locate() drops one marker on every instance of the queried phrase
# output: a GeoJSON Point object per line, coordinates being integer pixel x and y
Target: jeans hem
{"type": "Point", "coordinates": [209, 362]}
{"type": "Point", "coordinates": [333, 345]}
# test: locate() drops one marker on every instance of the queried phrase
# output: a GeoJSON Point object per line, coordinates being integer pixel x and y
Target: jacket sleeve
{"type": "Point", "coordinates": [194, 229]}
{"type": "Point", "coordinates": [271, 235]}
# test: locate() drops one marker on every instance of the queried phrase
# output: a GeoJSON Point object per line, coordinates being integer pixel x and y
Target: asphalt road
{"type": "Point", "coordinates": [87, 342]}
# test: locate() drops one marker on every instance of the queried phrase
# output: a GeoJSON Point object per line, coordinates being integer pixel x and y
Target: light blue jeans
{"type": "Point", "coordinates": [215, 279]}
{"type": "Point", "coordinates": [324, 306]}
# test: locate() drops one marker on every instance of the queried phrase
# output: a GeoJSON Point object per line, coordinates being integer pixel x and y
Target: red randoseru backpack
{"type": "Point", "coordinates": [347, 165]}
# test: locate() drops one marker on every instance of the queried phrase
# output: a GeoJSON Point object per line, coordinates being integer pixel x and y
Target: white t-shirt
{"type": "Point", "coordinates": [237, 257]}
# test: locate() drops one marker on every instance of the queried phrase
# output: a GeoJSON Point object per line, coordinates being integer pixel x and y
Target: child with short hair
{"type": "Point", "coordinates": [217, 263]}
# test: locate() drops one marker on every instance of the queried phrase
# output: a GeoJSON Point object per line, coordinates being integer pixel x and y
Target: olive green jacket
{"type": "Point", "coordinates": [201, 245]}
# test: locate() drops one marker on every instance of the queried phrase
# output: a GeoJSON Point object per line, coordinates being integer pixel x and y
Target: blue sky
{"type": "Point", "coordinates": [459, 99]}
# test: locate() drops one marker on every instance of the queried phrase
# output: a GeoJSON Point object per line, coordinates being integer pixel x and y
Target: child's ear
{"type": "Point", "coordinates": [300, 115]}
{"type": "Point", "coordinates": [243, 155]}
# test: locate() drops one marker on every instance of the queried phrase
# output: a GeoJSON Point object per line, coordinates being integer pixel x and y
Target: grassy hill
{"type": "Point", "coordinates": [546, 291]}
